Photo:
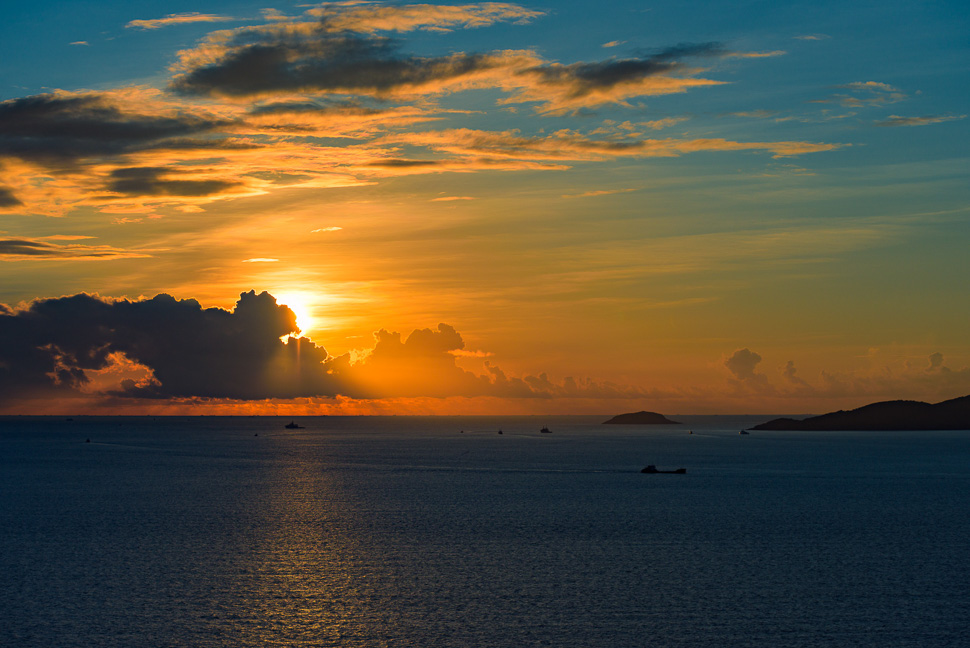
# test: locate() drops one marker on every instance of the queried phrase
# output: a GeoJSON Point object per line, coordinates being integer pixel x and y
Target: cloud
{"type": "Point", "coordinates": [311, 57]}
{"type": "Point", "coordinates": [40, 249]}
{"type": "Point", "coordinates": [176, 19]}
{"type": "Point", "coordinates": [260, 260]}
{"type": "Point", "coordinates": [342, 52]}
{"type": "Point", "coordinates": [80, 43]}
{"type": "Point", "coordinates": [369, 17]}
{"type": "Point", "coordinates": [7, 199]}
{"type": "Point", "coordinates": [866, 93]}
{"type": "Point", "coordinates": [157, 181]}
{"type": "Point", "coordinates": [570, 145]}
{"type": "Point", "coordinates": [328, 99]}
{"type": "Point", "coordinates": [936, 361]}
{"type": "Point", "coordinates": [326, 229]}
{"type": "Point", "coordinates": [181, 350]}
{"type": "Point", "coordinates": [743, 363]}
{"type": "Point", "coordinates": [897, 120]}
{"type": "Point", "coordinates": [813, 37]}
{"type": "Point", "coordinates": [61, 128]}
{"type": "Point", "coordinates": [599, 192]}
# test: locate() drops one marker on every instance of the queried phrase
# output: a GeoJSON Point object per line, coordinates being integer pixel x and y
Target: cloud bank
{"type": "Point", "coordinates": [334, 98]}
{"type": "Point", "coordinates": [177, 349]}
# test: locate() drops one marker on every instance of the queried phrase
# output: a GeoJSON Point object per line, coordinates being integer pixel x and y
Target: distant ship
{"type": "Point", "coordinates": [652, 470]}
{"type": "Point", "coordinates": [546, 430]}
{"type": "Point", "coordinates": [292, 425]}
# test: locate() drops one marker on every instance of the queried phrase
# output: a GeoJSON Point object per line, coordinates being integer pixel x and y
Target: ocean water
{"type": "Point", "coordinates": [226, 532]}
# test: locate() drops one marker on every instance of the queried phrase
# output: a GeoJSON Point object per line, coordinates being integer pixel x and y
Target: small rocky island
{"type": "Point", "coordinates": [641, 418]}
{"type": "Point", "coordinates": [952, 414]}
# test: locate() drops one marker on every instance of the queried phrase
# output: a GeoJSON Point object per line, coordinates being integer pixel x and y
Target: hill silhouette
{"type": "Point", "coordinates": [951, 414]}
{"type": "Point", "coordinates": [641, 418]}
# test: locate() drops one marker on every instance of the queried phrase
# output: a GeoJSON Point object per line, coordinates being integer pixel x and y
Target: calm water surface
{"type": "Point", "coordinates": [219, 532]}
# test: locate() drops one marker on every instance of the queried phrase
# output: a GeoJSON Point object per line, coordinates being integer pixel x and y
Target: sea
{"type": "Point", "coordinates": [442, 531]}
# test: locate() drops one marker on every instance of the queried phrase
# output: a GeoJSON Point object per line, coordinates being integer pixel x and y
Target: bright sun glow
{"type": "Point", "coordinates": [299, 305]}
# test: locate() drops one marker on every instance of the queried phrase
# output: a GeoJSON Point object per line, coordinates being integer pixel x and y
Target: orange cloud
{"type": "Point", "coordinates": [176, 19]}
{"type": "Point", "coordinates": [369, 17]}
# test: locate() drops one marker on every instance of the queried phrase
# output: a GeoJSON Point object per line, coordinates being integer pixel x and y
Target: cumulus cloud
{"type": "Point", "coordinates": [182, 350]}
{"type": "Point", "coordinates": [742, 364]}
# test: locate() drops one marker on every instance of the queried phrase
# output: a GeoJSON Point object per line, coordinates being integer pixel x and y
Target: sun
{"type": "Point", "coordinates": [300, 307]}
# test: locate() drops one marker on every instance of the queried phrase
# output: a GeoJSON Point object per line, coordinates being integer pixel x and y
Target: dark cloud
{"type": "Point", "coordinates": [191, 351]}
{"type": "Point", "coordinates": [149, 181]}
{"type": "Point", "coordinates": [61, 129]}
{"type": "Point", "coordinates": [584, 78]}
{"type": "Point", "coordinates": [401, 163]}
{"type": "Point", "coordinates": [742, 364]}
{"type": "Point", "coordinates": [28, 248]}
{"type": "Point", "coordinates": [186, 351]}
{"type": "Point", "coordinates": [7, 199]}
{"type": "Point", "coordinates": [319, 61]}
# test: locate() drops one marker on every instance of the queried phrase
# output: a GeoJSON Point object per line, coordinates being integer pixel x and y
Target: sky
{"type": "Point", "coordinates": [484, 208]}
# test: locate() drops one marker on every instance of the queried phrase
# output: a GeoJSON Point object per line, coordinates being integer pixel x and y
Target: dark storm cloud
{"type": "Point", "coordinates": [60, 128]}
{"type": "Point", "coordinates": [149, 181]}
{"type": "Point", "coordinates": [191, 352]}
{"type": "Point", "coordinates": [320, 61]}
{"type": "Point", "coordinates": [7, 199]}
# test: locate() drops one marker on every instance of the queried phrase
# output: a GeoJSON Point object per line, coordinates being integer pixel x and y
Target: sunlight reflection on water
{"type": "Point", "coordinates": [382, 532]}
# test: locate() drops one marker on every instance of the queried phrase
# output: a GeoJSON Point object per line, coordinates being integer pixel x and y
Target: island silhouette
{"type": "Point", "coordinates": [641, 418]}
{"type": "Point", "coordinates": [951, 414]}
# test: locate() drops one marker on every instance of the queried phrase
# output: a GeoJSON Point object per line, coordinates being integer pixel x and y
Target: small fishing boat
{"type": "Point", "coordinates": [652, 470]}
{"type": "Point", "coordinates": [545, 430]}
{"type": "Point", "coordinates": [293, 425]}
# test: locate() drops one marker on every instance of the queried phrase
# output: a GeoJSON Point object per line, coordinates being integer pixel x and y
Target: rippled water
{"type": "Point", "coordinates": [409, 532]}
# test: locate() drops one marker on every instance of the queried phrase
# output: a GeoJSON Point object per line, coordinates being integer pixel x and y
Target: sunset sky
{"type": "Point", "coordinates": [570, 207]}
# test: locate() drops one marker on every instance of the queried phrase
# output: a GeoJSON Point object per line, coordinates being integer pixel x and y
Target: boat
{"type": "Point", "coordinates": [546, 430]}
{"type": "Point", "coordinates": [292, 425]}
{"type": "Point", "coordinates": [744, 432]}
{"type": "Point", "coordinates": [652, 470]}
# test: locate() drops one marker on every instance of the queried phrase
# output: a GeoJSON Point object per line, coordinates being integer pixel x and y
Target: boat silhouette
{"type": "Point", "coordinates": [652, 470]}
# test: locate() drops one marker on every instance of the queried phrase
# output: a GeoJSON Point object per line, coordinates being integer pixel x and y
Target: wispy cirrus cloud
{"type": "Point", "coordinates": [370, 17]}
{"type": "Point", "coordinates": [570, 145]}
{"type": "Point", "coordinates": [898, 120]}
{"type": "Point", "coordinates": [45, 249]}
{"type": "Point", "coordinates": [176, 19]}
{"type": "Point", "coordinates": [865, 93]}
